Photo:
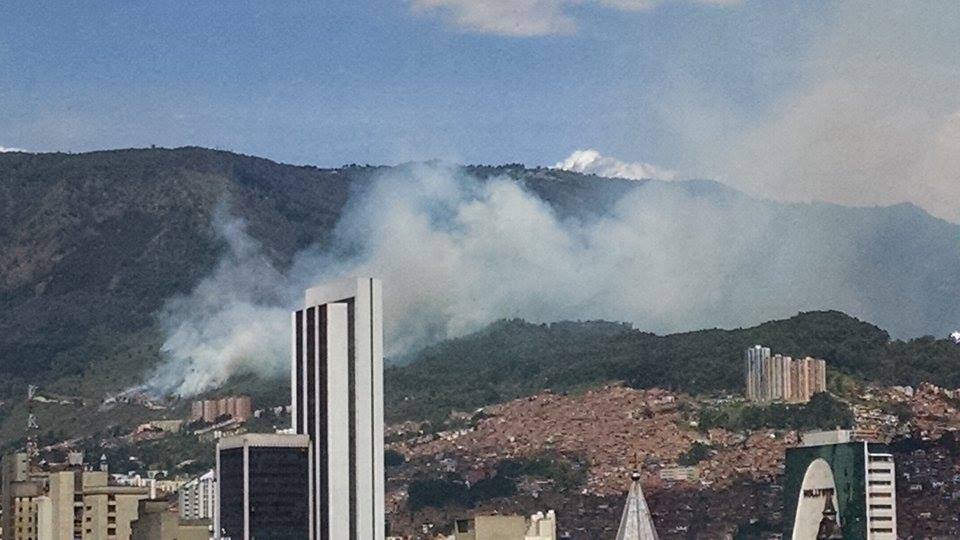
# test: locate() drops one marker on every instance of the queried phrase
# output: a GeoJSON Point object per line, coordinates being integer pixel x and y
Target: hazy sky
{"type": "Point", "coordinates": [857, 103]}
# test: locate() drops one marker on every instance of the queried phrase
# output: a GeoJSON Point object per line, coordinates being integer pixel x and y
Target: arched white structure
{"type": "Point", "coordinates": [818, 484]}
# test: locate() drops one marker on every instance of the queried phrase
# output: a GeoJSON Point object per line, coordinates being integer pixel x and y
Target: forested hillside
{"type": "Point", "coordinates": [92, 245]}
{"type": "Point", "coordinates": [514, 358]}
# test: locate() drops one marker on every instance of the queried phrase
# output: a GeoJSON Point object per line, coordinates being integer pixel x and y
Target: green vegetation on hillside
{"type": "Point", "coordinates": [566, 474]}
{"type": "Point", "coordinates": [823, 412]}
{"type": "Point", "coordinates": [514, 358]}
{"type": "Point", "coordinates": [178, 453]}
{"type": "Point", "coordinates": [697, 453]}
{"type": "Point", "coordinates": [92, 244]}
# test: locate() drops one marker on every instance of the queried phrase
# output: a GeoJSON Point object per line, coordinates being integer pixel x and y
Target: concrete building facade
{"type": "Point", "coordinates": [782, 378]}
{"type": "Point", "coordinates": [240, 408]}
{"type": "Point", "coordinates": [109, 510]}
{"type": "Point", "coordinates": [198, 497]}
{"type": "Point", "coordinates": [17, 497]}
{"type": "Point", "coordinates": [337, 401]}
{"type": "Point", "coordinates": [677, 473]}
{"type": "Point", "coordinates": [157, 521]}
{"type": "Point", "coordinates": [755, 357]}
{"type": "Point", "coordinates": [539, 526]}
{"type": "Point", "coordinates": [25, 515]}
{"type": "Point", "coordinates": [68, 504]}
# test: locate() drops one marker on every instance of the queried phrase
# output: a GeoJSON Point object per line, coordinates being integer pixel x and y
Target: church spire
{"type": "Point", "coordinates": [637, 522]}
{"type": "Point", "coordinates": [829, 526]}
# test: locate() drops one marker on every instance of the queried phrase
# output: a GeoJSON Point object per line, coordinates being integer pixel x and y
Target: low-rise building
{"type": "Point", "coordinates": [159, 521]}
{"type": "Point", "coordinates": [679, 474]}
{"type": "Point", "coordinates": [539, 526]}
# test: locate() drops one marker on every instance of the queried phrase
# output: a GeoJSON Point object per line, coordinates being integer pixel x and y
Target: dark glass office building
{"type": "Point", "coordinates": [264, 487]}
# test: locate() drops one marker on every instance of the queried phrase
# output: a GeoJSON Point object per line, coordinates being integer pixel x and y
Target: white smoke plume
{"type": "Point", "coordinates": [871, 120]}
{"type": "Point", "coordinates": [591, 161]}
{"type": "Point", "coordinates": [456, 253]}
{"type": "Point", "coordinates": [229, 323]}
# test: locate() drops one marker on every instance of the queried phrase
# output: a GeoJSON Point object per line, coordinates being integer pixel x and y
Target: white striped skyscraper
{"type": "Point", "coordinates": [337, 397]}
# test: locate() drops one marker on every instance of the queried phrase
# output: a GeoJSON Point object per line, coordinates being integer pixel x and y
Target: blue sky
{"type": "Point", "coordinates": [716, 88]}
{"type": "Point", "coordinates": [338, 82]}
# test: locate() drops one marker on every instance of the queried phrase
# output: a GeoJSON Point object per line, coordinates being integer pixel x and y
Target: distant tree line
{"type": "Point", "coordinates": [822, 412]}
{"type": "Point", "coordinates": [567, 473]}
{"type": "Point", "coordinates": [514, 358]}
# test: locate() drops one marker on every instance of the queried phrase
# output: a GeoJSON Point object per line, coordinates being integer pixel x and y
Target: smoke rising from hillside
{"type": "Point", "coordinates": [229, 323]}
{"type": "Point", "coordinates": [591, 161]}
{"type": "Point", "coordinates": [456, 253]}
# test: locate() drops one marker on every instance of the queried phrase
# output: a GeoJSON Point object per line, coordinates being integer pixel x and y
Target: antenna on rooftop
{"type": "Point", "coordinates": [33, 450]}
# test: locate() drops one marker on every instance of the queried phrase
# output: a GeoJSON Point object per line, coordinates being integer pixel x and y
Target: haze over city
{"type": "Point", "coordinates": [479, 269]}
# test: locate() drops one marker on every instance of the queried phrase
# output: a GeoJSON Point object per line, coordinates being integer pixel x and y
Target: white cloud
{"type": "Point", "coordinates": [593, 162]}
{"type": "Point", "coordinates": [9, 149]}
{"type": "Point", "coordinates": [525, 18]}
{"type": "Point", "coordinates": [504, 17]}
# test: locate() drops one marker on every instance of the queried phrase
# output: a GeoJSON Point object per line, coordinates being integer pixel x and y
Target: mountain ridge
{"type": "Point", "coordinates": [92, 244]}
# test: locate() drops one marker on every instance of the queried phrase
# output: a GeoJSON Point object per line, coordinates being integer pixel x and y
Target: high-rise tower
{"type": "Point", "coordinates": [337, 397]}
